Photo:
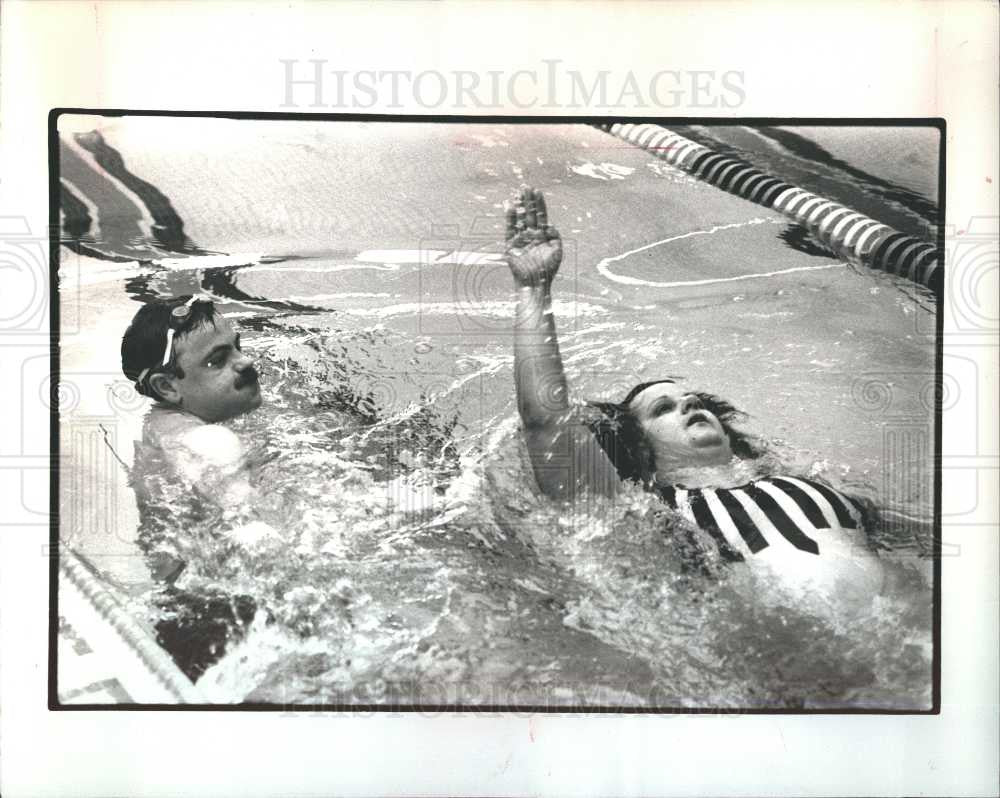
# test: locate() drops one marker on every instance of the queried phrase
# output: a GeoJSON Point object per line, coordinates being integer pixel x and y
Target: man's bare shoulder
{"type": "Point", "coordinates": [163, 425]}
{"type": "Point", "coordinates": [215, 444]}
{"type": "Point", "coordinates": [190, 443]}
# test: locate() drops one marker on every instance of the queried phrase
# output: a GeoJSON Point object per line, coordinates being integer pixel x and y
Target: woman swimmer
{"type": "Point", "coordinates": [677, 443]}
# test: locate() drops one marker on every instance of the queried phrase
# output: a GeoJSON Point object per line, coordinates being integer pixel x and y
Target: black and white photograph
{"type": "Point", "coordinates": [519, 414]}
{"type": "Point", "coordinates": [499, 399]}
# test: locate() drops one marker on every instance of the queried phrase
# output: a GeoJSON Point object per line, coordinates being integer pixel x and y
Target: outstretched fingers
{"type": "Point", "coordinates": [528, 205]}
{"type": "Point", "coordinates": [510, 213]}
{"type": "Point", "coordinates": [541, 212]}
{"type": "Point", "coordinates": [554, 239]}
{"type": "Point", "coordinates": [522, 215]}
{"type": "Point", "coordinates": [527, 219]}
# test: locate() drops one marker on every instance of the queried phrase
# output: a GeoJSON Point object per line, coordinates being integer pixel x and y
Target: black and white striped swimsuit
{"type": "Point", "coordinates": [774, 510]}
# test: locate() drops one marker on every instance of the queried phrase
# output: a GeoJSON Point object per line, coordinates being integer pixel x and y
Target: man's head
{"type": "Point", "coordinates": [205, 373]}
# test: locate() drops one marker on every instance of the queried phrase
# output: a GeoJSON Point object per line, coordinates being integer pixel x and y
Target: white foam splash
{"type": "Point", "coordinates": [208, 261]}
{"type": "Point", "coordinates": [332, 267]}
{"type": "Point", "coordinates": [602, 171]}
{"type": "Point", "coordinates": [437, 257]}
{"type": "Point", "coordinates": [328, 297]}
{"type": "Point", "coordinates": [69, 278]}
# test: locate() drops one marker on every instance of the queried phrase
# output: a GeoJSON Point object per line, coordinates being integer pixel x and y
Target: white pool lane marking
{"type": "Point", "coordinates": [145, 221]}
{"type": "Point", "coordinates": [93, 210]}
{"type": "Point", "coordinates": [605, 271]}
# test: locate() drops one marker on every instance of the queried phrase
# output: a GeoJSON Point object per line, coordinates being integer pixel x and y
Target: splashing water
{"type": "Point", "coordinates": [397, 552]}
{"type": "Point", "coordinates": [396, 549]}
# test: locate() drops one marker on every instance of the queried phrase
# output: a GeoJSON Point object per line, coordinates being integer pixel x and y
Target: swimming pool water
{"type": "Point", "coordinates": [414, 562]}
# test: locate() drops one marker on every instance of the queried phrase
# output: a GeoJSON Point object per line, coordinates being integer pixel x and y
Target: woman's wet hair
{"type": "Point", "coordinates": [145, 340]}
{"type": "Point", "coordinates": [622, 438]}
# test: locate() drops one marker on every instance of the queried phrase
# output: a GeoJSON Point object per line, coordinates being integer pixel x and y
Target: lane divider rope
{"type": "Point", "coordinates": [846, 232]}
{"type": "Point", "coordinates": [148, 672]}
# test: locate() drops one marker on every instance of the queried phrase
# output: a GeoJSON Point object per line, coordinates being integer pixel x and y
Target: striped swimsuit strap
{"type": "Point", "coordinates": [744, 518]}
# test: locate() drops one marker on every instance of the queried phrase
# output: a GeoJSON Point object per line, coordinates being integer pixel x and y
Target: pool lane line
{"type": "Point", "coordinates": [109, 213]}
{"type": "Point", "coordinates": [164, 223]}
{"type": "Point", "coordinates": [80, 216]}
{"type": "Point", "coordinates": [845, 231]}
{"type": "Point", "coordinates": [148, 673]}
{"type": "Point", "coordinates": [602, 266]}
{"type": "Point", "coordinates": [788, 142]}
{"type": "Point", "coordinates": [122, 218]}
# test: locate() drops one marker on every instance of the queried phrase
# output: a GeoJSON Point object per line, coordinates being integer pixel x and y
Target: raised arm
{"type": "Point", "coordinates": [534, 253]}
{"type": "Point", "coordinates": [563, 454]}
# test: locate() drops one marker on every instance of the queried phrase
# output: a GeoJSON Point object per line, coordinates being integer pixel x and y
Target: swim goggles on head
{"type": "Point", "coordinates": [177, 318]}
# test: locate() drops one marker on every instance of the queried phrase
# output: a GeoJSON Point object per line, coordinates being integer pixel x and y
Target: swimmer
{"type": "Point", "coordinates": [187, 358]}
{"type": "Point", "coordinates": [675, 442]}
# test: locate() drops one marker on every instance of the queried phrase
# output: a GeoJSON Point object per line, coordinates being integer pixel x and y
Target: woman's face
{"type": "Point", "coordinates": [680, 431]}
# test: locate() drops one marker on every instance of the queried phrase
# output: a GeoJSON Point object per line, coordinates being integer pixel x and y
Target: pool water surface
{"type": "Point", "coordinates": [397, 549]}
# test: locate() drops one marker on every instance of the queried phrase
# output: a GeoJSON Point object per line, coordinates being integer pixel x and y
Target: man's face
{"type": "Point", "coordinates": [679, 430]}
{"type": "Point", "coordinates": [219, 381]}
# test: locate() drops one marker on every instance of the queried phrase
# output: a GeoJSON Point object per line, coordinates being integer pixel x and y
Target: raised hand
{"type": "Point", "coordinates": [533, 247]}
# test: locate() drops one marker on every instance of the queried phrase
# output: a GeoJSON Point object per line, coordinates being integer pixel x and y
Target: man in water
{"type": "Point", "coordinates": [189, 469]}
{"type": "Point", "coordinates": [185, 356]}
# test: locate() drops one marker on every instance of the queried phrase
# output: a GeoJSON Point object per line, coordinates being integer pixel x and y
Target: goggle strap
{"type": "Point", "coordinates": [170, 345]}
{"type": "Point", "coordinates": [180, 312]}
